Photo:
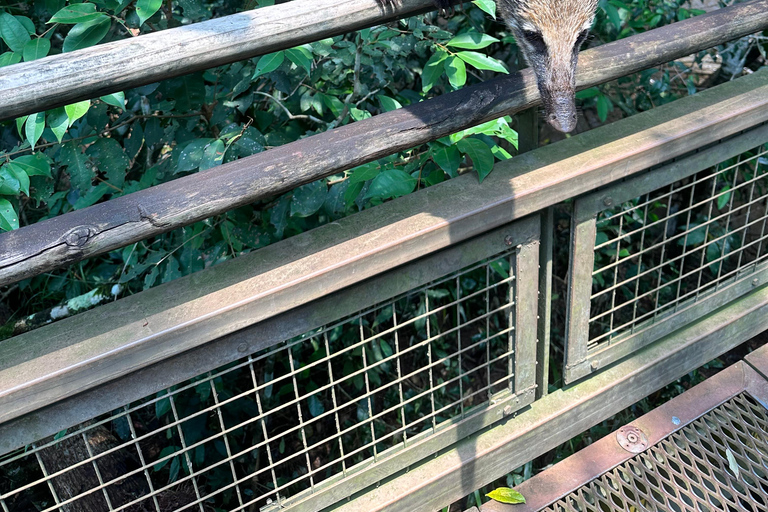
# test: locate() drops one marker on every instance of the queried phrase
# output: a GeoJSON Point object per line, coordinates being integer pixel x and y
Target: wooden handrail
{"type": "Point", "coordinates": [66, 78]}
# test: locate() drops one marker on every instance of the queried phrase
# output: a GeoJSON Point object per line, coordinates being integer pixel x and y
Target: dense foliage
{"type": "Point", "coordinates": [74, 156]}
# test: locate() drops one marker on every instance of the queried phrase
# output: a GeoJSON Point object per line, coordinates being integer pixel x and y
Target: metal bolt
{"type": "Point", "coordinates": [675, 420]}
{"type": "Point", "coordinates": [755, 282]}
{"type": "Point", "coordinates": [242, 347]}
{"type": "Point", "coordinates": [508, 410]}
{"type": "Point", "coordinates": [508, 240]}
{"type": "Point", "coordinates": [608, 201]}
{"type": "Point", "coordinates": [632, 439]}
{"type": "Point", "coordinates": [594, 365]}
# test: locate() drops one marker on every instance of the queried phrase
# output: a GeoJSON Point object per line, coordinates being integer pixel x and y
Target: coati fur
{"type": "Point", "coordinates": [549, 33]}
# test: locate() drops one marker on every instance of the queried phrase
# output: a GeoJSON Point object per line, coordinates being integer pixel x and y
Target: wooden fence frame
{"type": "Point", "coordinates": [78, 353]}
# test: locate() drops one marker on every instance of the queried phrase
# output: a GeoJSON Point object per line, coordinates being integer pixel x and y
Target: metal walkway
{"type": "Point", "coordinates": [704, 451]}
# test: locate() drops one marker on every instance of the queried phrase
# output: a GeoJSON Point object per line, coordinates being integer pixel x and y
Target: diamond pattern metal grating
{"type": "Point", "coordinates": [717, 463]}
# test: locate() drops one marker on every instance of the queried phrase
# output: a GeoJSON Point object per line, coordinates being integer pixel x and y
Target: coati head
{"type": "Point", "coordinates": [550, 33]}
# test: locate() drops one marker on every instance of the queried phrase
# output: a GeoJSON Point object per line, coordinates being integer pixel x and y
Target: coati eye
{"type": "Point", "coordinates": [535, 39]}
{"type": "Point", "coordinates": [581, 39]}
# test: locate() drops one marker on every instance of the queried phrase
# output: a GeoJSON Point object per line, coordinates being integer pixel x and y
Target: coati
{"type": "Point", "coordinates": [550, 34]}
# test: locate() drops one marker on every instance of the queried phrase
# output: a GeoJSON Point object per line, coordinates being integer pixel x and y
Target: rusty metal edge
{"type": "Point", "coordinates": [605, 454]}
{"type": "Point", "coordinates": [143, 329]}
{"type": "Point", "coordinates": [477, 461]}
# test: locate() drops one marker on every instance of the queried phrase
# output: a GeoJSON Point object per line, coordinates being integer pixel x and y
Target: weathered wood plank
{"type": "Point", "coordinates": [565, 413]}
{"type": "Point", "coordinates": [111, 67]}
{"type": "Point", "coordinates": [108, 226]}
{"type": "Point", "coordinates": [84, 351]}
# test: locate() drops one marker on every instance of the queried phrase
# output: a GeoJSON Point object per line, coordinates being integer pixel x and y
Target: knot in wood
{"type": "Point", "coordinates": [79, 236]}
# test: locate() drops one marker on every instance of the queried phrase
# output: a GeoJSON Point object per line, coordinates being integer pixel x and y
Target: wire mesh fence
{"type": "Point", "coordinates": [665, 248]}
{"type": "Point", "coordinates": [294, 417]}
{"type": "Point", "coordinates": [672, 247]}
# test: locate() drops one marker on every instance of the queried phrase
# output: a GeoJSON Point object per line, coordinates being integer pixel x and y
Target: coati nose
{"type": "Point", "coordinates": [561, 111]}
{"type": "Point", "coordinates": [563, 123]}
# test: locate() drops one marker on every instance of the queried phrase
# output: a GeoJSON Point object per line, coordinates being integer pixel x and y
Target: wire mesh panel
{"type": "Point", "coordinates": [716, 463]}
{"type": "Point", "coordinates": [664, 249]}
{"type": "Point", "coordinates": [309, 413]}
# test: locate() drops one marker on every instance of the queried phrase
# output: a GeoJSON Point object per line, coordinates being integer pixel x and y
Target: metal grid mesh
{"type": "Point", "coordinates": [690, 470]}
{"type": "Point", "coordinates": [282, 421]}
{"type": "Point", "coordinates": [671, 248]}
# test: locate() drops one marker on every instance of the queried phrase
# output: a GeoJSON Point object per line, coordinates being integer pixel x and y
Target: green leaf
{"type": "Point", "coordinates": [77, 110]}
{"type": "Point", "coordinates": [481, 61]}
{"type": "Point", "coordinates": [80, 174]}
{"type": "Point", "coordinates": [613, 14]}
{"type": "Point", "coordinates": [213, 155]}
{"type": "Point", "coordinates": [388, 104]}
{"type": "Point", "coordinates": [192, 155]}
{"type": "Point", "coordinates": [145, 9]}
{"type": "Point", "coordinates": [268, 63]}
{"type": "Point", "coordinates": [58, 122]}
{"type": "Point", "coordinates": [34, 128]}
{"type": "Point", "coordinates": [352, 192]}
{"type": "Point", "coordinates": [588, 93]}
{"type": "Point", "coordinates": [188, 91]}
{"type": "Point", "coordinates": [506, 495]}
{"type": "Point", "coordinates": [433, 70]}
{"type": "Point", "coordinates": [36, 49]}
{"type": "Point", "coordinates": [724, 197]}
{"type": "Point", "coordinates": [391, 183]}
{"type": "Point", "coordinates": [364, 173]}
{"type": "Point", "coordinates": [86, 34]}
{"type": "Point", "coordinates": [316, 407]}
{"type": "Point", "coordinates": [696, 235]}
{"type": "Point", "coordinates": [76, 13]}
{"type": "Point", "coordinates": [9, 58]}
{"type": "Point", "coordinates": [92, 196]}
{"type": "Point", "coordinates": [604, 106]}
{"type": "Point", "coordinates": [489, 6]}
{"type": "Point", "coordinates": [448, 159]}
{"type": "Point", "coordinates": [472, 41]}
{"type": "Point", "coordinates": [481, 156]}
{"type": "Point", "coordinates": [456, 71]}
{"type": "Point", "coordinates": [20, 125]}
{"type": "Point", "coordinates": [308, 198]}
{"type": "Point", "coordinates": [732, 464]}
{"type": "Point", "coordinates": [21, 176]}
{"type": "Point", "coordinates": [34, 165]}
{"type": "Point", "coordinates": [9, 220]}
{"type": "Point", "coordinates": [9, 183]}
{"type": "Point", "coordinates": [13, 32]}
{"type": "Point", "coordinates": [116, 99]}
{"type": "Point", "coordinates": [302, 57]}
{"type": "Point", "coordinates": [27, 23]}
{"type": "Point", "coordinates": [110, 158]}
